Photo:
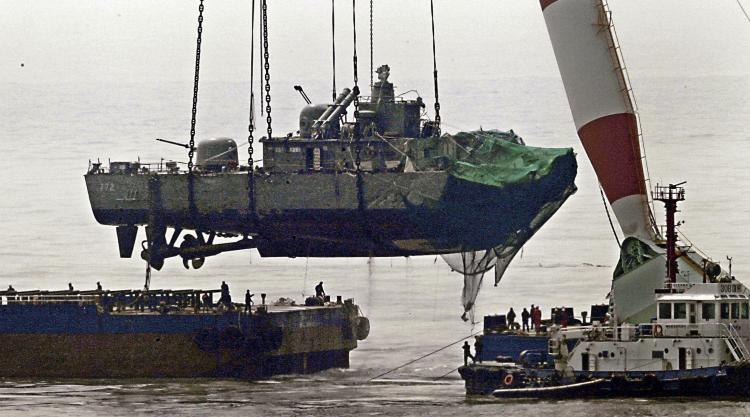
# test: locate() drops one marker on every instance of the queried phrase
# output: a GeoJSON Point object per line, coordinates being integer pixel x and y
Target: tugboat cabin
{"type": "Point", "coordinates": [702, 307]}
{"type": "Point", "coordinates": [697, 326]}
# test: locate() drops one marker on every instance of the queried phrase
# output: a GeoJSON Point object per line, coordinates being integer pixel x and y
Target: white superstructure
{"type": "Point", "coordinates": [697, 326]}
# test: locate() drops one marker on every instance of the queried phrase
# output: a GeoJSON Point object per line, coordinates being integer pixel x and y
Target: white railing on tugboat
{"type": "Point", "coordinates": [735, 343]}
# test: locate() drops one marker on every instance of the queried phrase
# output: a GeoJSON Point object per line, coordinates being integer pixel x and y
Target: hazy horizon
{"type": "Point", "coordinates": [117, 40]}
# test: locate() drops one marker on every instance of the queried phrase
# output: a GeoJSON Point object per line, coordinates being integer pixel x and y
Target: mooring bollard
{"type": "Point", "coordinates": [263, 298]}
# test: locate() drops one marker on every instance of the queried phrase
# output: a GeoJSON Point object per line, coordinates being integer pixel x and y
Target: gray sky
{"type": "Point", "coordinates": [90, 40]}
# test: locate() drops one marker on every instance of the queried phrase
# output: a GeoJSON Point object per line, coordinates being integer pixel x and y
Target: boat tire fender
{"type": "Point", "coordinates": [363, 327]}
{"type": "Point", "coordinates": [508, 380]}
{"type": "Point", "coordinates": [207, 339]}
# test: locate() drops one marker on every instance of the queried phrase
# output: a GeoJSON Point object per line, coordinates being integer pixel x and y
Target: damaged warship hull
{"type": "Point", "coordinates": [332, 214]}
{"type": "Point", "coordinates": [386, 183]}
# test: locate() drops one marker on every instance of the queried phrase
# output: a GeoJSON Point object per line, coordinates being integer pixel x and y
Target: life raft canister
{"type": "Point", "coordinates": [658, 331]}
{"type": "Point", "coordinates": [363, 327]}
{"type": "Point", "coordinates": [508, 380]}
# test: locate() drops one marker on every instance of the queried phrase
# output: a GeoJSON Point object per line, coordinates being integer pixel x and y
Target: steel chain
{"type": "Point", "coordinates": [266, 67]}
{"type": "Point", "coordinates": [251, 123]}
{"type": "Point", "coordinates": [191, 150]}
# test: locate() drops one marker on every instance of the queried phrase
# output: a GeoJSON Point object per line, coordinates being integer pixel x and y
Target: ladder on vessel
{"type": "Point", "coordinates": [736, 345]}
{"type": "Point", "coordinates": [623, 77]}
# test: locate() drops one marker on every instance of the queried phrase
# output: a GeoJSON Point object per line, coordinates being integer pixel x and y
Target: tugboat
{"type": "Point", "coordinates": [677, 323]}
{"type": "Point", "coordinates": [696, 343]}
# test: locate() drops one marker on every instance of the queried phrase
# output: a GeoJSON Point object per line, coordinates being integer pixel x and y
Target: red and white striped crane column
{"type": "Point", "coordinates": [603, 111]}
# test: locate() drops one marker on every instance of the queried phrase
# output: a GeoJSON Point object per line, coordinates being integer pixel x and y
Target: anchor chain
{"type": "Point", "coordinates": [266, 67]}
{"type": "Point", "coordinates": [191, 150]}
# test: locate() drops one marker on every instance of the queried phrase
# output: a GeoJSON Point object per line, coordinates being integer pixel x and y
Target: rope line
{"type": "Point", "coordinates": [743, 11]}
{"type": "Point", "coordinates": [424, 356]}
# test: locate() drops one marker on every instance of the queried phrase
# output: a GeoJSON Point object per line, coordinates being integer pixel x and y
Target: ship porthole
{"type": "Point", "coordinates": [612, 355]}
{"type": "Point", "coordinates": [710, 350]}
{"type": "Point", "coordinates": [666, 350]}
{"type": "Point", "coordinates": [698, 351]}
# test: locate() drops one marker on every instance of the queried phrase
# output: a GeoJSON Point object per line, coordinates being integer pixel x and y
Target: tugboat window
{"type": "Point", "coordinates": [709, 311]}
{"type": "Point", "coordinates": [680, 310]}
{"type": "Point", "coordinates": [745, 311]}
{"type": "Point", "coordinates": [665, 311]}
{"type": "Point", "coordinates": [735, 310]}
{"type": "Point", "coordinates": [725, 311]}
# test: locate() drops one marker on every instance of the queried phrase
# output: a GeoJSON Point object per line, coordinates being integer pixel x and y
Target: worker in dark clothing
{"type": "Point", "coordinates": [248, 301]}
{"type": "Point", "coordinates": [525, 320]}
{"type": "Point", "coordinates": [98, 286]}
{"type": "Point", "coordinates": [319, 292]}
{"type": "Point", "coordinates": [206, 301]}
{"type": "Point", "coordinates": [511, 318]}
{"type": "Point", "coordinates": [478, 349]}
{"type": "Point", "coordinates": [225, 299]}
{"type": "Point", "coordinates": [70, 286]}
{"type": "Point", "coordinates": [467, 353]}
{"type": "Point", "coordinates": [11, 294]}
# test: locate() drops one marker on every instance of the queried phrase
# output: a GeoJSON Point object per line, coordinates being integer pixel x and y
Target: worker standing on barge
{"type": "Point", "coordinates": [225, 299]}
{"type": "Point", "coordinates": [525, 319]}
{"type": "Point", "coordinates": [248, 301]}
{"type": "Point", "coordinates": [319, 292]}
{"type": "Point", "coordinates": [467, 353]}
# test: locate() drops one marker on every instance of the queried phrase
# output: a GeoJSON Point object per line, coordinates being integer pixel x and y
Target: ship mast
{"type": "Point", "coordinates": [671, 195]}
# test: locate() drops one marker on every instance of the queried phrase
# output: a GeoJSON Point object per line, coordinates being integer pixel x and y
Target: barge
{"type": "Point", "coordinates": [170, 334]}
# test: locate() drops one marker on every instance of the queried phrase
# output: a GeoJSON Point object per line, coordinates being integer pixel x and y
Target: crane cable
{"type": "Point", "coordinates": [371, 46]}
{"type": "Point", "coordinates": [435, 71]}
{"type": "Point", "coordinates": [743, 11]}
{"type": "Point", "coordinates": [609, 217]}
{"type": "Point", "coordinates": [333, 46]}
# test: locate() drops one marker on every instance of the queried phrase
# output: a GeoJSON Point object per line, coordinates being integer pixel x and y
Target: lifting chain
{"type": "Point", "coordinates": [266, 67]}
{"type": "Point", "coordinates": [251, 121]}
{"type": "Point", "coordinates": [191, 150]}
{"type": "Point", "coordinates": [357, 133]}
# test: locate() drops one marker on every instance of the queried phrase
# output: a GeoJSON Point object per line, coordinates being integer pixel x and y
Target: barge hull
{"type": "Point", "coordinates": [82, 341]}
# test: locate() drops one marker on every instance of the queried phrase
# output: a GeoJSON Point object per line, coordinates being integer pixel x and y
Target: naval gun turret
{"type": "Point", "coordinates": [363, 176]}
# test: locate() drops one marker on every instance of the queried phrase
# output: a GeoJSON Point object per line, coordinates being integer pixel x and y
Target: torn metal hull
{"type": "Point", "coordinates": [320, 214]}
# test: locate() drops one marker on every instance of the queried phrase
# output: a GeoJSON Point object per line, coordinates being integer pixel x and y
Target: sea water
{"type": "Point", "coordinates": [695, 132]}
